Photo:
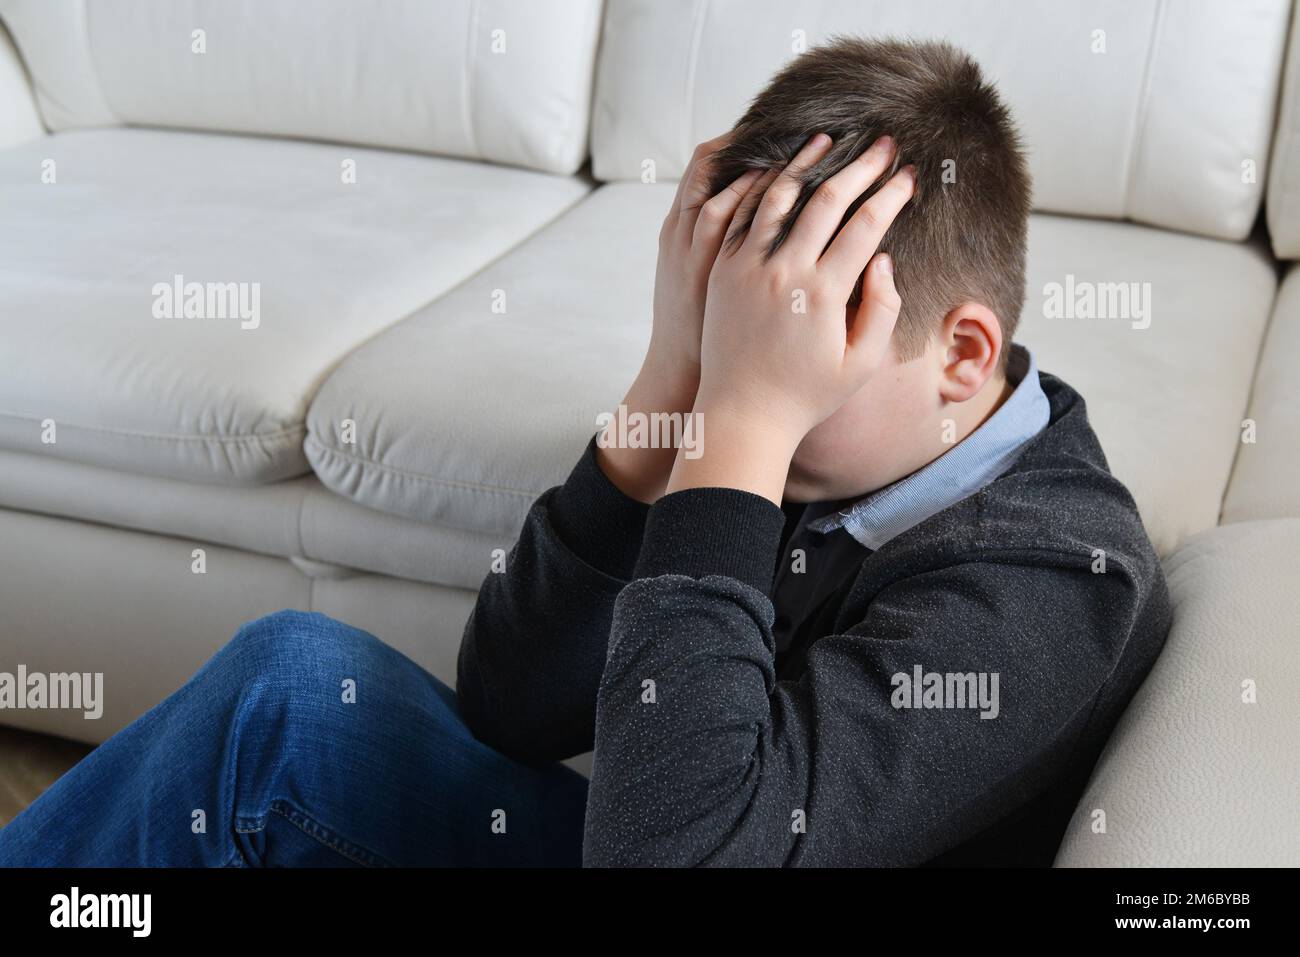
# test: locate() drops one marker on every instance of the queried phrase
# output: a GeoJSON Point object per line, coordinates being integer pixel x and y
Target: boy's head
{"type": "Point", "coordinates": [958, 247]}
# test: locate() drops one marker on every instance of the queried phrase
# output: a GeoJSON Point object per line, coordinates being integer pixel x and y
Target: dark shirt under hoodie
{"type": "Point", "coordinates": [647, 632]}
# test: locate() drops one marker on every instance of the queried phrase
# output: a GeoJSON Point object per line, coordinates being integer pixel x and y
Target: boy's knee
{"type": "Point", "coordinates": [287, 622]}
{"type": "Point", "coordinates": [298, 640]}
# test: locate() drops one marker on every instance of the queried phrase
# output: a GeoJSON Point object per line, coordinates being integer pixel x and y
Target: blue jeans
{"type": "Point", "coordinates": [302, 742]}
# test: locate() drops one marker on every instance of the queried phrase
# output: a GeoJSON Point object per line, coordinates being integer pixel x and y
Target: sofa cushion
{"type": "Point", "coordinates": [299, 519]}
{"type": "Point", "coordinates": [463, 414]}
{"type": "Point", "coordinates": [471, 408]}
{"type": "Point", "coordinates": [1264, 479]}
{"type": "Point", "coordinates": [1129, 108]}
{"type": "Point", "coordinates": [1197, 773]}
{"type": "Point", "coordinates": [89, 261]}
{"type": "Point", "coordinates": [479, 79]}
{"type": "Point", "coordinates": [1166, 400]}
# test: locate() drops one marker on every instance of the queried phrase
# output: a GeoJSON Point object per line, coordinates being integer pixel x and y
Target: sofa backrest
{"type": "Point", "coordinates": [498, 80]}
{"type": "Point", "coordinates": [18, 119]}
{"type": "Point", "coordinates": [1150, 110]}
{"type": "Point", "coordinates": [1284, 173]}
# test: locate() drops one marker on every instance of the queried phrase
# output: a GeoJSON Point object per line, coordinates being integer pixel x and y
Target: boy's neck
{"type": "Point", "coordinates": [973, 413]}
{"type": "Point", "coordinates": [998, 390]}
{"type": "Point", "coordinates": [970, 415]}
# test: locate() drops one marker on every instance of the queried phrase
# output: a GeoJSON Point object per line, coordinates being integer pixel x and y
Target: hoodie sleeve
{"type": "Point", "coordinates": [534, 647]}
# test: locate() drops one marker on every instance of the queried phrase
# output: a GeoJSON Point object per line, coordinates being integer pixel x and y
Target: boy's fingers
{"type": "Point", "coordinates": [822, 214]}
{"type": "Point", "coordinates": [685, 185]}
{"type": "Point", "coordinates": [753, 196]}
{"type": "Point", "coordinates": [873, 323]}
{"type": "Point", "coordinates": [858, 240]}
{"type": "Point", "coordinates": [693, 187]}
{"type": "Point", "coordinates": [715, 215]}
{"type": "Point", "coordinates": [781, 195]}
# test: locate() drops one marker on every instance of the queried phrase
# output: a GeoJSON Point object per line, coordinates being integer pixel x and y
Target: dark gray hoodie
{"type": "Point", "coordinates": [875, 739]}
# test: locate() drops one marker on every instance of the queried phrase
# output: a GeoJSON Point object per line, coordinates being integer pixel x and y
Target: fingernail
{"type": "Point", "coordinates": [886, 264]}
{"type": "Point", "coordinates": [821, 139]}
{"type": "Point", "coordinates": [885, 144]}
{"type": "Point", "coordinates": [910, 170]}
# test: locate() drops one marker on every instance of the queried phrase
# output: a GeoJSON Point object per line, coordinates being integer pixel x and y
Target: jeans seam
{"type": "Point", "coordinates": [323, 835]}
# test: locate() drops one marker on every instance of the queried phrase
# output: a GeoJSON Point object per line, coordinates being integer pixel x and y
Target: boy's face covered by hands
{"type": "Point", "coordinates": [876, 437]}
{"type": "Point", "coordinates": [777, 341]}
{"type": "Point", "coordinates": [787, 358]}
{"type": "Point", "coordinates": [781, 355]}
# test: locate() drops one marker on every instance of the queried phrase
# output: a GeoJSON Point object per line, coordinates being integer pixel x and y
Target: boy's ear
{"type": "Point", "coordinates": [970, 344]}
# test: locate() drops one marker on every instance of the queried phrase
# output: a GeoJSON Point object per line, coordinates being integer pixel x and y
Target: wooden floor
{"type": "Point", "coordinates": [29, 763]}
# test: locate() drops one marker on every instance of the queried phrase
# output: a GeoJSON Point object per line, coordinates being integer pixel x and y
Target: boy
{"type": "Point", "coordinates": [886, 612]}
{"type": "Point", "coordinates": [734, 729]}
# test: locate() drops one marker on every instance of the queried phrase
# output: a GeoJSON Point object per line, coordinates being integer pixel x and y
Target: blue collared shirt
{"type": "Point", "coordinates": [957, 474]}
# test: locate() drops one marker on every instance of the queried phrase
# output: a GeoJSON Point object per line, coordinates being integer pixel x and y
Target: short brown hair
{"type": "Point", "coordinates": [962, 237]}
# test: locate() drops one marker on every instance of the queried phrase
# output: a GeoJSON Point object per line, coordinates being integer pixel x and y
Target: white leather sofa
{"type": "Point", "coordinates": [450, 209]}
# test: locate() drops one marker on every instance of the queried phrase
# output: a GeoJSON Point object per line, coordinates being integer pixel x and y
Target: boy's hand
{"type": "Point", "coordinates": [689, 241]}
{"type": "Point", "coordinates": [780, 350]}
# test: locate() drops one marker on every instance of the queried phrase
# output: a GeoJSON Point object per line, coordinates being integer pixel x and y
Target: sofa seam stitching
{"type": "Point", "coordinates": [467, 99]}
{"type": "Point", "coordinates": [94, 68]}
{"type": "Point", "coordinates": [1144, 105]}
{"type": "Point", "coordinates": [316, 445]}
{"type": "Point", "coordinates": [165, 436]}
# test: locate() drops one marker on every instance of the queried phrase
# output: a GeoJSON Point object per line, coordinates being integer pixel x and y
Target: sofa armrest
{"type": "Point", "coordinates": [1204, 767]}
{"type": "Point", "coordinates": [20, 120]}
